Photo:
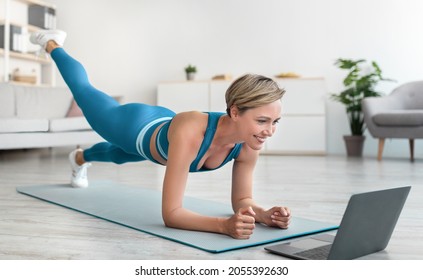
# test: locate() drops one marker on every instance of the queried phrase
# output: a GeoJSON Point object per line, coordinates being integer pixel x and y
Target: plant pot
{"type": "Point", "coordinates": [190, 76]}
{"type": "Point", "coordinates": [354, 145]}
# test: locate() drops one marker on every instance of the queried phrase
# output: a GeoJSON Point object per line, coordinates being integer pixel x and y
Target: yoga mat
{"type": "Point", "coordinates": [140, 209]}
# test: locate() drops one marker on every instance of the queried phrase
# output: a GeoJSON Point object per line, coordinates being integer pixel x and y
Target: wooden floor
{"type": "Point", "coordinates": [313, 187]}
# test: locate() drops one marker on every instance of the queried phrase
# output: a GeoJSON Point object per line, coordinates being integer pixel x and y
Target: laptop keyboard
{"type": "Point", "coordinates": [318, 253]}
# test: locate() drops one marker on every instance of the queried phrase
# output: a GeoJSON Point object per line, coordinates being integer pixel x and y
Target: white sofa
{"type": "Point", "coordinates": [38, 117]}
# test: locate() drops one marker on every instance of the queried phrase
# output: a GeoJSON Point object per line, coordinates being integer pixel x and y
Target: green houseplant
{"type": "Point", "coordinates": [360, 83]}
{"type": "Point", "coordinates": [190, 71]}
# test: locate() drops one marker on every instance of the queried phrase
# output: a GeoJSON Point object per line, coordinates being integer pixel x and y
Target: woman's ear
{"type": "Point", "coordinates": [234, 111]}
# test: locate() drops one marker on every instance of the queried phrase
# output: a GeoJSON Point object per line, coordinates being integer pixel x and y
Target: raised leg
{"type": "Point", "coordinates": [118, 124]}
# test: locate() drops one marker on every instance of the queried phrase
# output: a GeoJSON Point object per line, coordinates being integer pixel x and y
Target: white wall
{"type": "Point", "coordinates": [128, 46]}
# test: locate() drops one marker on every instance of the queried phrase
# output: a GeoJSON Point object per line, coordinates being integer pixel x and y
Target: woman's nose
{"type": "Point", "coordinates": [270, 130]}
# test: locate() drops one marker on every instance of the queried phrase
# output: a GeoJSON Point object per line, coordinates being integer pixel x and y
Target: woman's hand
{"type": "Point", "coordinates": [277, 217]}
{"type": "Point", "coordinates": [241, 224]}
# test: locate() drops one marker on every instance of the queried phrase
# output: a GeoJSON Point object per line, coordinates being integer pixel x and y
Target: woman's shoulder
{"type": "Point", "coordinates": [190, 118]}
{"type": "Point", "coordinates": [189, 124]}
{"type": "Point", "coordinates": [191, 115]}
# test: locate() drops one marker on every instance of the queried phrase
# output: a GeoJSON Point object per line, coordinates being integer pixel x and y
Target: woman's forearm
{"type": "Point", "coordinates": [182, 218]}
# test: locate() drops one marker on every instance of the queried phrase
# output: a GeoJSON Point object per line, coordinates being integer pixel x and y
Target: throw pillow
{"type": "Point", "coordinates": [74, 110]}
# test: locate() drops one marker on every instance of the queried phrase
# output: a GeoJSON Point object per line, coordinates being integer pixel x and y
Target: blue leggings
{"type": "Point", "coordinates": [118, 124]}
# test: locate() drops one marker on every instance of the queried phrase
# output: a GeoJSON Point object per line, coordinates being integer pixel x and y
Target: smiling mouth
{"type": "Point", "coordinates": [260, 139]}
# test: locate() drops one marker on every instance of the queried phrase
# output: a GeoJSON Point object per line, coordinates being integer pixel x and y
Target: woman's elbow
{"type": "Point", "coordinates": [168, 220]}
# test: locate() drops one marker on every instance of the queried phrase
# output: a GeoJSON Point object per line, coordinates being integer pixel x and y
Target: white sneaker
{"type": "Point", "coordinates": [43, 36]}
{"type": "Point", "coordinates": [79, 177]}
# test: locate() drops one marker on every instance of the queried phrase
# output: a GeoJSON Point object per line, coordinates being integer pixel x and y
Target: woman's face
{"type": "Point", "coordinates": [257, 124]}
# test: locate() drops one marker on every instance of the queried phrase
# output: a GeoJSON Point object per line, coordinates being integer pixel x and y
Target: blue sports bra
{"type": "Point", "coordinates": [162, 143]}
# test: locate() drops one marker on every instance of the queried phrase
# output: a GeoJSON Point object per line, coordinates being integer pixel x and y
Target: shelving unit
{"type": "Point", "coordinates": [17, 54]}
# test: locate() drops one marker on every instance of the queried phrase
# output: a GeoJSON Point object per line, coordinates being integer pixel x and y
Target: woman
{"type": "Point", "coordinates": [185, 142]}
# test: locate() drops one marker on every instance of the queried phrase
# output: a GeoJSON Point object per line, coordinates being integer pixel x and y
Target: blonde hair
{"type": "Point", "coordinates": [252, 91]}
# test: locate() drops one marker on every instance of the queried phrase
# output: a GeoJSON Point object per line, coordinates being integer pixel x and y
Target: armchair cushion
{"type": "Point", "coordinates": [399, 118]}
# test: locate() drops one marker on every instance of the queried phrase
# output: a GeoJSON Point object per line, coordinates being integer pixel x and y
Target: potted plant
{"type": "Point", "coordinates": [190, 70]}
{"type": "Point", "coordinates": [360, 83]}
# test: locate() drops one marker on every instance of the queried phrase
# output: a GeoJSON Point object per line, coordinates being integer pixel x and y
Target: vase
{"type": "Point", "coordinates": [190, 76]}
{"type": "Point", "coordinates": [354, 145]}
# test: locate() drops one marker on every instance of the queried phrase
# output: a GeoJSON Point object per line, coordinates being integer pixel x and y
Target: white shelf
{"type": "Point", "coordinates": [36, 2]}
{"type": "Point", "coordinates": [29, 27]}
{"type": "Point", "coordinates": [27, 56]}
{"type": "Point", "coordinates": [15, 13]}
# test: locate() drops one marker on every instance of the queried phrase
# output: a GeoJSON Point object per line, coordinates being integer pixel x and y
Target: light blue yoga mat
{"type": "Point", "coordinates": [140, 209]}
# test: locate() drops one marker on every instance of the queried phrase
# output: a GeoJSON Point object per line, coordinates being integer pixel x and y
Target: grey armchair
{"type": "Point", "coordinates": [398, 115]}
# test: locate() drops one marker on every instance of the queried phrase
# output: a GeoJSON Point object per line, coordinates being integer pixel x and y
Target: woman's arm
{"type": "Point", "coordinates": [182, 151]}
{"type": "Point", "coordinates": [242, 191]}
{"type": "Point", "coordinates": [184, 143]}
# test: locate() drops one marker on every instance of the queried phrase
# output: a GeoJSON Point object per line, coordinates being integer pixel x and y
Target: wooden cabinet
{"type": "Point", "coordinates": [302, 129]}
{"type": "Point", "coordinates": [20, 61]}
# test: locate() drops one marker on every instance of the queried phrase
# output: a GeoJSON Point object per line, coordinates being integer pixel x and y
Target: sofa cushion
{"type": "Point", "coordinates": [42, 102]}
{"type": "Point", "coordinates": [69, 124]}
{"type": "Point", "coordinates": [7, 101]}
{"type": "Point", "coordinates": [400, 118]}
{"type": "Point", "coordinates": [12, 125]}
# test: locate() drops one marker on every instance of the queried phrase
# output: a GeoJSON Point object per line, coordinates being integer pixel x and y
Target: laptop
{"type": "Point", "coordinates": [366, 228]}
